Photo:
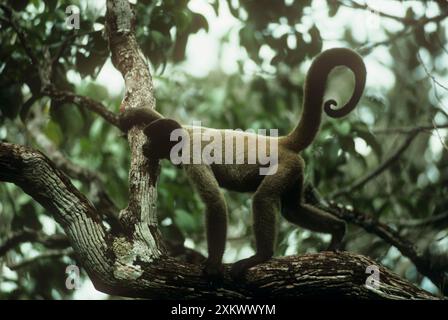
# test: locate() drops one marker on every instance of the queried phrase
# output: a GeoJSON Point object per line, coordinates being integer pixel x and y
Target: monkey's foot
{"type": "Point", "coordinates": [213, 271]}
{"type": "Point", "coordinates": [335, 247]}
{"type": "Point", "coordinates": [239, 268]}
{"type": "Point", "coordinates": [336, 241]}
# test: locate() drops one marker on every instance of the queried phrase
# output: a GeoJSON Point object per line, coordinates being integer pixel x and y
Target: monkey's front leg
{"type": "Point", "coordinates": [216, 226]}
{"type": "Point", "coordinates": [204, 181]}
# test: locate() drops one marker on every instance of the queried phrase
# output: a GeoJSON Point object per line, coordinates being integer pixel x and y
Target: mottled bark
{"type": "Point", "coordinates": [139, 218]}
{"type": "Point", "coordinates": [125, 265]}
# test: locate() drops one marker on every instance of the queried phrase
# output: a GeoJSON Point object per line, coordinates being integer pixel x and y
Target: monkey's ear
{"type": "Point", "coordinates": [159, 132]}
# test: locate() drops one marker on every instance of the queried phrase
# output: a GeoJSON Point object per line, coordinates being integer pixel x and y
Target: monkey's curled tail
{"type": "Point", "coordinates": [314, 89]}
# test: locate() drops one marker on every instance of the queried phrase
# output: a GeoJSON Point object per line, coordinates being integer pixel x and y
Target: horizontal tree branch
{"type": "Point", "coordinates": [439, 221]}
{"type": "Point", "coordinates": [60, 241]}
{"type": "Point", "coordinates": [50, 254]}
{"type": "Point", "coordinates": [28, 235]}
{"type": "Point", "coordinates": [83, 102]}
{"type": "Point", "coordinates": [408, 130]}
{"type": "Point", "coordinates": [124, 265]}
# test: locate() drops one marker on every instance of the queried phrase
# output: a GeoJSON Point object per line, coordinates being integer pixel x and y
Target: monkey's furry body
{"type": "Point", "coordinates": [281, 191]}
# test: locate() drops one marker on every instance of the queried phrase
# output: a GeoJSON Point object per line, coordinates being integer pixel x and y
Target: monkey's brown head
{"type": "Point", "coordinates": [159, 144]}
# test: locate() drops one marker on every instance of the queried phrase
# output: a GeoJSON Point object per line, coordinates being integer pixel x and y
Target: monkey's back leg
{"type": "Point", "coordinates": [265, 205]}
{"type": "Point", "coordinates": [310, 217]}
{"type": "Point", "coordinates": [204, 181]}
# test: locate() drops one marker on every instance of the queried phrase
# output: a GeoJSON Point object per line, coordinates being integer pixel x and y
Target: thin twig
{"type": "Point", "coordinates": [64, 43]}
{"type": "Point", "coordinates": [435, 84]}
{"type": "Point", "coordinates": [34, 126]}
{"type": "Point", "coordinates": [404, 20]}
{"type": "Point", "coordinates": [382, 167]}
{"type": "Point", "coordinates": [84, 102]}
{"type": "Point", "coordinates": [370, 46]}
{"type": "Point", "coordinates": [355, 5]}
{"type": "Point", "coordinates": [29, 235]}
{"type": "Point", "coordinates": [439, 220]}
{"type": "Point", "coordinates": [429, 74]}
{"type": "Point", "coordinates": [409, 24]}
{"type": "Point", "coordinates": [407, 130]}
{"type": "Point", "coordinates": [46, 255]}
{"type": "Point", "coordinates": [442, 142]}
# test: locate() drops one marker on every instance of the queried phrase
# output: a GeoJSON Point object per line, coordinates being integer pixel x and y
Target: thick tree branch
{"type": "Point", "coordinates": [393, 237]}
{"type": "Point", "coordinates": [128, 266]}
{"type": "Point", "coordinates": [97, 193]}
{"type": "Point", "coordinates": [38, 177]}
{"type": "Point", "coordinates": [422, 261]}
